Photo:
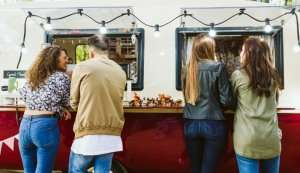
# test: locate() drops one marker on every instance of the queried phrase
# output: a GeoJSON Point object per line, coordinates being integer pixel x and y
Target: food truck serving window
{"type": "Point", "coordinates": [122, 48]}
{"type": "Point", "coordinates": [229, 41]}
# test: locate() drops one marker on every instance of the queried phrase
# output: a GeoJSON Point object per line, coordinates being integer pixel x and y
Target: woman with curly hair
{"type": "Point", "coordinates": [46, 95]}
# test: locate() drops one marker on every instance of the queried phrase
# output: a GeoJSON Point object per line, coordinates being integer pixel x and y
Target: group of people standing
{"type": "Point", "coordinates": [95, 93]}
{"type": "Point", "coordinates": [96, 89]}
{"type": "Point", "coordinates": [251, 91]}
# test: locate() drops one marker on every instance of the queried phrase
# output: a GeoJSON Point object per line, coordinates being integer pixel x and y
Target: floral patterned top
{"type": "Point", "coordinates": [52, 96]}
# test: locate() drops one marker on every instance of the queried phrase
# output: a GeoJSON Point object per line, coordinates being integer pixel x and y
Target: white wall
{"type": "Point", "coordinates": [160, 52]}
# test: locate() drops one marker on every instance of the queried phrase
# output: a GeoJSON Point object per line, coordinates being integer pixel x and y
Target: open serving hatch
{"type": "Point", "coordinates": [125, 41]}
{"type": "Point", "coordinates": [231, 34]}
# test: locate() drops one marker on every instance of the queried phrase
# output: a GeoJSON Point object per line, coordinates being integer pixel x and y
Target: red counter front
{"type": "Point", "coordinates": [153, 142]}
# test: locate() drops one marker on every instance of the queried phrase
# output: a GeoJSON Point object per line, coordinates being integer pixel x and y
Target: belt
{"type": "Point", "coordinates": [41, 116]}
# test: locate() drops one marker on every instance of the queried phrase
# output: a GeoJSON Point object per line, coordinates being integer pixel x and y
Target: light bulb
{"type": "Point", "coordinates": [156, 34]}
{"type": "Point", "coordinates": [23, 48]}
{"type": "Point", "coordinates": [103, 29]}
{"type": "Point", "coordinates": [297, 48]}
{"type": "Point", "coordinates": [133, 38]}
{"type": "Point", "coordinates": [48, 27]}
{"type": "Point", "coordinates": [156, 31]}
{"type": "Point", "coordinates": [268, 28]}
{"type": "Point", "coordinates": [212, 33]}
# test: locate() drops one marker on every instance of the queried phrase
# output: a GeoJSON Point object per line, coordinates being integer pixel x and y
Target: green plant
{"type": "Point", "coordinates": [82, 53]}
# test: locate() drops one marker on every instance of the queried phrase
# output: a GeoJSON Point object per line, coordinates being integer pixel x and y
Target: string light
{"type": "Point", "coordinates": [268, 28]}
{"type": "Point", "coordinates": [103, 29]}
{"type": "Point", "coordinates": [297, 48]}
{"type": "Point", "coordinates": [48, 26]}
{"type": "Point", "coordinates": [23, 48]}
{"type": "Point", "coordinates": [156, 31]}
{"type": "Point", "coordinates": [212, 32]}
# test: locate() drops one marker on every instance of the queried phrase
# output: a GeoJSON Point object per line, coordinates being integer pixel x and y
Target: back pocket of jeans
{"type": "Point", "coordinates": [46, 136]}
{"type": "Point", "coordinates": [219, 130]}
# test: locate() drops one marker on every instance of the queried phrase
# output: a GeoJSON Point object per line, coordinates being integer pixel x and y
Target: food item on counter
{"type": "Point", "coordinates": [178, 103]}
{"type": "Point", "coordinates": [136, 101]}
{"type": "Point", "coordinates": [162, 100]}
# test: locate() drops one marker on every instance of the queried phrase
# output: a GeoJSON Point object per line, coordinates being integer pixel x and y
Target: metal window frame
{"type": "Point", "coordinates": [277, 34]}
{"type": "Point", "coordinates": [111, 32]}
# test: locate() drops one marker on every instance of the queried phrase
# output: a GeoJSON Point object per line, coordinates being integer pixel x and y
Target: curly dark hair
{"type": "Point", "coordinates": [44, 65]}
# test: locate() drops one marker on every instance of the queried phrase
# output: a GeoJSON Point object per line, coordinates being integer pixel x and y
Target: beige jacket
{"type": "Point", "coordinates": [97, 90]}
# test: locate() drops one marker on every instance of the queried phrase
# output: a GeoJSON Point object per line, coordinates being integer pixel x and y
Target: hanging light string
{"type": "Point", "coordinates": [23, 39]}
{"type": "Point", "coordinates": [157, 26]}
{"type": "Point", "coordinates": [297, 25]}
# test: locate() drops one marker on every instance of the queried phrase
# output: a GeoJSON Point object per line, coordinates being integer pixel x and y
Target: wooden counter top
{"type": "Point", "coordinates": [165, 110]}
{"type": "Point", "coordinates": [145, 110]}
{"type": "Point", "coordinates": [13, 108]}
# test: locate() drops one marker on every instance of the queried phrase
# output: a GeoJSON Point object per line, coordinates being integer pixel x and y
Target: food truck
{"type": "Point", "coordinates": [152, 51]}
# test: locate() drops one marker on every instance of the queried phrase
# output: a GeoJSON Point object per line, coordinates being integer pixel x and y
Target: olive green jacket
{"type": "Point", "coordinates": [256, 131]}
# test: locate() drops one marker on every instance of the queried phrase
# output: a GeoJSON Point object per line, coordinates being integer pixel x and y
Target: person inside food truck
{"type": "Point", "coordinates": [97, 89]}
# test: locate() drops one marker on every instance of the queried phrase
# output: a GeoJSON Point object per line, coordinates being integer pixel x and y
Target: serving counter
{"type": "Point", "coordinates": [153, 140]}
{"type": "Point", "coordinates": [148, 110]}
{"type": "Point", "coordinates": [152, 110]}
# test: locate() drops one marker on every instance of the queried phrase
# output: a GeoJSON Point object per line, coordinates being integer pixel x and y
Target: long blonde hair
{"type": "Point", "coordinates": [203, 48]}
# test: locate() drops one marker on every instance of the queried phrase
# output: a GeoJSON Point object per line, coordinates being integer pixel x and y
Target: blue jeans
{"type": "Point", "coordinates": [81, 163]}
{"type": "Point", "coordinates": [205, 142]}
{"type": "Point", "coordinates": [247, 165]}
{"type": "Point", "coordinates": [38, 143]}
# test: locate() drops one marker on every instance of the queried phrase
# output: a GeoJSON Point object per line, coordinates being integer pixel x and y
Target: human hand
{"type": "Point", "coordinates": [67, 115]}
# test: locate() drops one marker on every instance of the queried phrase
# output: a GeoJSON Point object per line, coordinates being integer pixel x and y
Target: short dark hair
{"type": "Point", "coordinates": [98, 42]}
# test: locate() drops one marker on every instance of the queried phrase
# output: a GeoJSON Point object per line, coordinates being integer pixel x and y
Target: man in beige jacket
{"type": "Point", "coordinates": [97, 89]}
